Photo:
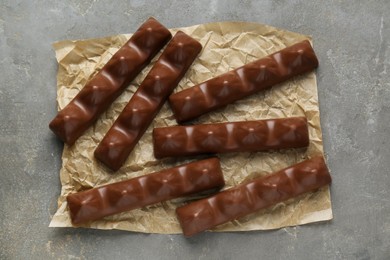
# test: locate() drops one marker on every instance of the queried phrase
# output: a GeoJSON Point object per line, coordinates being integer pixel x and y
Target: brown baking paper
{"type": "Point", "coordinates": [226, 45]}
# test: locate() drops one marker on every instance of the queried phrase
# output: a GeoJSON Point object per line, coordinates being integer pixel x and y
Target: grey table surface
{"type": "Point", "coordinates": [352, 41]}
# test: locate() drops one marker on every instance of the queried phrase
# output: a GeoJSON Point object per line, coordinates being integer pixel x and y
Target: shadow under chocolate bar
{"type": "Point", "coordinates": [98, 94]}
{"type": "Point", "coordinates": [245, 136]}
{"type": "Point", "coordinates": [236, 84]}
{"type": "Point", "coordinates": [147, 101]}
{"type": "Point", "coordinates": [253, 196]}
{"type": "Point", "coordinates": [145, 190]}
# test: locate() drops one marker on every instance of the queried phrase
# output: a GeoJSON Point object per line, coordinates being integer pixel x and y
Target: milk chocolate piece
{"type": "Point", "coordinates": [245, 136]}
{"type": "Point", "coordinates": [146, 102]}
{"type": "Point", "coordinates": [244, 81]}
{"type": "Point", "coordinates": [145, 190]}
{"type": "Point", "coordinates": [98, 94]}
{"type": "Point", "coordinates": [252, 196]}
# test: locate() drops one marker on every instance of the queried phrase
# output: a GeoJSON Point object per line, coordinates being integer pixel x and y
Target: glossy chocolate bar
{"type": "Point", "coordinates": [245, 136]}
{"type": "Point", "coordinates": [244, 81]}
{"type": "Point", "coordinates": [146, 102]}
{"type": "Point", "coordinates": [145, 190]}
{"type": "Point", "coordinates": [253, 196]}
{"type": "Point", "coordinates": [98, 94]}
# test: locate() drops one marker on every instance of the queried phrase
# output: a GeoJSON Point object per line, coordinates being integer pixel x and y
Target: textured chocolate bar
{"type": "Point", "coordinates": [253, 196]}
{"type": "Point", "coordinates": [146, 102]}
{"type": "Point", "coordinates": [98, 94]}
{"type": "Point", "coordinates": [244, 81]}
{"type": "Point", "coordinates": [246, 136]}
{"type": "Point", "coordinates": [145, 190]}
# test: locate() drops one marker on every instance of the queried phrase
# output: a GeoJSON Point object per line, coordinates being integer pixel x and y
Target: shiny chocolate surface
{"type": "Point", "coordinates": [145, 190]}
{"type": "Point", "coordinates": [245, 136]}
{"type": "Point", "coordinates": [98, 94]}
{"type": "Point", "coordinates": [244, 81]}
{"type": "Point", "coordinates": [146, 102]}
{"type": "Point", "coordinates": [254, 195]}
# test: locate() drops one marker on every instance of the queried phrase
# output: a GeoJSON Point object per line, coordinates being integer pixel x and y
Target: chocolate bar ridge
{"type": "Point", "coordinates": [147, 101]}
{"type": "Point", "coordinates": [253, 77]}
{"type": "Point", "coordinates": [99, 92]}
{"type": "Point", "coordinates": [145, 190]}
{"type": "Point", "coordinates": [253, 196]}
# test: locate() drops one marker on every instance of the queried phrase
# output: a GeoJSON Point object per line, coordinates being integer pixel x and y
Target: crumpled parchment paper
{"type": "Point", "coordinates": [226, 45]}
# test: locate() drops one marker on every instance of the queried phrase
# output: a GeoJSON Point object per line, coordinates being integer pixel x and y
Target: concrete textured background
{"type": "Point", "coordinates": [352, 41]}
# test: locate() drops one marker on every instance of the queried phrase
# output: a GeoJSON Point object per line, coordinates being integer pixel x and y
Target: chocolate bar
{"type": "Point", "coordinates": [146, 102]}
{"type": "Point", "coordinates": [244, 81]}
{"type": "Point", "coordinates": [253, 196]}
{"type": "Point", "coordinates": [145, 190]}
{"type": "Point", "coordinates": [98, 94]}
{"type": "Point", "coordinates": [245, 136]}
